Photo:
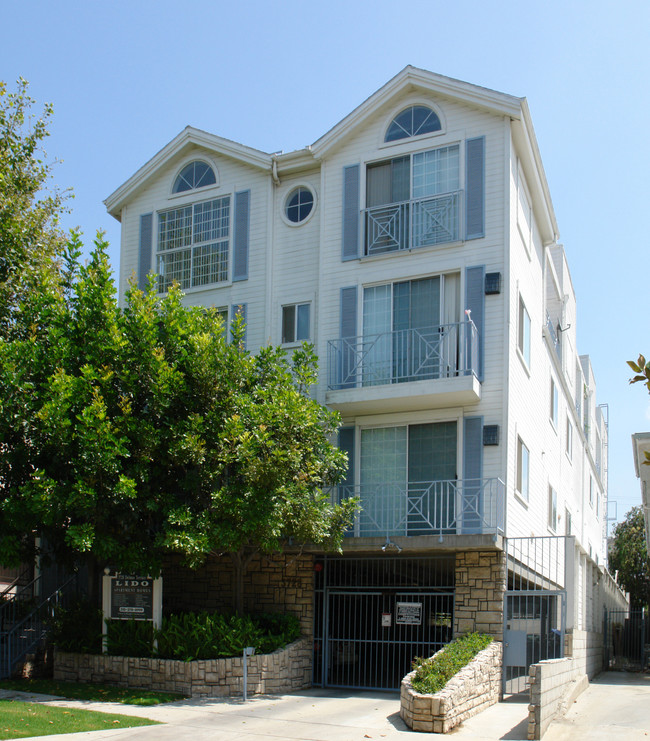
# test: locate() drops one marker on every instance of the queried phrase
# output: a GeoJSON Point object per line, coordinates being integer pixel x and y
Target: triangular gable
{"type": "Point", "coordinates": [188, 137]}
{"type": "Point", "coordinates": [413, 77]}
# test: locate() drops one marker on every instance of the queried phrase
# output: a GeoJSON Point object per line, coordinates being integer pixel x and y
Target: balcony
{"type": "Point", "coordinates": [405, 369]}
{"type": "Point", "coordinates": [420, 222]}
{"type": "Point", "coordinates": [442, 508]}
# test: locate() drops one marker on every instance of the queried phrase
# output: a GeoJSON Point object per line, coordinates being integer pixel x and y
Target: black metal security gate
{"type": "Point", "coordinates": [626, 640]}
{"type": "Point", "coordinates": [374, 616]}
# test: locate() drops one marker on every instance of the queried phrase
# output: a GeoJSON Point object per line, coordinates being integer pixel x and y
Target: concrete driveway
{"type": "Point", "coordinates": [615, 706]}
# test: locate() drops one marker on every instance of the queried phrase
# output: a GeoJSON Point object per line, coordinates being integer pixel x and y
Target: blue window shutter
{"type": "Point", "coordinates": [346, 365]}
{"type": "Point", "coordinates": [472, 474]}
{"type": "Point", "coordinates": [475, 301]}
{"type": "Point", "coordinates": [146, 245]}
{"type": "Point", "coordinates": [350, 250]}
{"type": "Point", "coordinates": [475, 188]}
{"type": "Point", "coordinates": [240, 310]}
{"type": "Point", "coordinates": [241, 233]}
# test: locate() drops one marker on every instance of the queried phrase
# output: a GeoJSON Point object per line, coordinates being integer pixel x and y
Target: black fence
{"type": "Point", "coordinates": [626, 640]}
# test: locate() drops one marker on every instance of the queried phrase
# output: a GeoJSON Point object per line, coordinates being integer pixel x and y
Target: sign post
{"type": "Point", "coordinates": [130, 597]}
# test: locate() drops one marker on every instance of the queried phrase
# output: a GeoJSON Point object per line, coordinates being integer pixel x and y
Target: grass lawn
{"type": "Point", "coordinates": [22, 719]}
{"type": "Point", "coordinates": [93, 692]}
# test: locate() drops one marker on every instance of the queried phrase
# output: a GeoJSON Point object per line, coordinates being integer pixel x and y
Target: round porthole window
{"type": "Point", "coordinates": [299, 204]}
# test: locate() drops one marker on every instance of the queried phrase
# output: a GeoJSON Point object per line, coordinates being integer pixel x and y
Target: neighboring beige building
{"type": "Point", "coordinates": [641, 446]}
{"type": "Point", "coordinates": [415, 245]}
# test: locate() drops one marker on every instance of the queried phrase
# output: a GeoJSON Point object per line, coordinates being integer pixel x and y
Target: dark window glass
{"type": "Point", "coordinates": [195, 175]}
{"type": "Point", "coordinates": [413, 121]}
{"type": "Point", "coordinates": [299, 205]}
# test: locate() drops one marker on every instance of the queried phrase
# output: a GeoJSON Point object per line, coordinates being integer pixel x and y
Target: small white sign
{"type": "Point", "coordinates": [408, 613]}
{"type": "Point", "coordinates": [386, 619]}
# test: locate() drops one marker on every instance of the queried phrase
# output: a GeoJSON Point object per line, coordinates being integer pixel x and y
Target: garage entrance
{"type": "Point", "coordinates": [375, 615]}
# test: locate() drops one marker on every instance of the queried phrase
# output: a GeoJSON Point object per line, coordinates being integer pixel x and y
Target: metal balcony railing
{"type": "Point", "coordinates": [404, 355]}
{"type": "Point", "coordinates": [419, 222]}
{"type": "Point", "coordinates": [555, 337]}
{"type": "Point", "coordinates": [472, 506]}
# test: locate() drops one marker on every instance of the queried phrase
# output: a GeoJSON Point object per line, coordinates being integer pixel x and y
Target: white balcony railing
{"type": "Point", "coordinates": [472, 506]}
{"type": "Point", "coordinates": [403, 355]}
{"type": "Point", "coordinates": [411, 224]}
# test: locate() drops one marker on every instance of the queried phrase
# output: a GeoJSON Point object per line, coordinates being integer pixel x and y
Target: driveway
{"type": "Point", "coordinates": [615, 706]}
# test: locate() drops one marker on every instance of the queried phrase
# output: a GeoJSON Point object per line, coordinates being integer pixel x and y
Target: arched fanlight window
{"type": "Point", "coordinates": [413, 121]}
{"type": "Point", "coordinates": [195, 175]}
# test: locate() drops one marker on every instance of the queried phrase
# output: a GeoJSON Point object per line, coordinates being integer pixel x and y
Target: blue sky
{"type": "Point", "coordinates": [126, 77]}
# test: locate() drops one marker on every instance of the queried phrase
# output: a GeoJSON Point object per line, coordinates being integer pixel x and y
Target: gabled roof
{"type": "Point", "coordinates": [187, 138]}
{"type": "Point", "coordinates": [409, 78]}
{"type": "Point", "coordinates": [412, 77]}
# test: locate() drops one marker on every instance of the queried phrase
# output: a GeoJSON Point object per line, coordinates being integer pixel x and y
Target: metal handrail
{"type": "Point", "coordinates": [24, 634]}
{"type": "Point", "coordinates": [425, 353]}
{"type": "Point", "coordinates": [8, 592]}
{"type": "Point", "coordinates": [460, 507]}
{"type": "Point", "coordinates": [418, 222]}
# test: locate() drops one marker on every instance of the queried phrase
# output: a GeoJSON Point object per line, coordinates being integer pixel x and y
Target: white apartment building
{"type": "Point", "coordinates": [415, 245]}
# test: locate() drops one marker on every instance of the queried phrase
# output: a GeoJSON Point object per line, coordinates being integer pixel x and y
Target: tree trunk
{"type": "Point", "coordinates": [240, 562]}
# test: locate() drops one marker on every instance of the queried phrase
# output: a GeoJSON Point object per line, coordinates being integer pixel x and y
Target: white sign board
{"type": "Point", "coordinates": [408, 613]}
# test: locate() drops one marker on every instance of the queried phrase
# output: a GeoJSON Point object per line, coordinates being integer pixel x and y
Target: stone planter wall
{"type": "Point", "coordinates": [474, 688]}
{"type": "Point", "coordinates": [285, 670]}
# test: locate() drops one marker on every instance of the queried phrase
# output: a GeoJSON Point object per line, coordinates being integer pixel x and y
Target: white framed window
{"type": "Point", "coordinates": [524, 211]}
{"type": "Point", "coordinates": [523, 340]}
{"type": "Point", "coordinates": [193, 244]}
{"type": "Point", "coordinates": [523, 469]}
{"type": "Point", "coordinates": [553, 408]}
{"type": "Point", "coordinates": [296, 323]}
{"type": "Point", "coordinates": [569, 438]}
{"type": "Point", "coordinates": [567, 522]}
{"type": "Point", "coordinates": [591, 491]}
{"type": "Point", "coordinates": [298, 205]}
{"type": "Point", "coordinates": [552, 508]}
{"type": "Point", "coordinates": [197, 174]}
{"type": "Point", "coordinates": [413, 121]}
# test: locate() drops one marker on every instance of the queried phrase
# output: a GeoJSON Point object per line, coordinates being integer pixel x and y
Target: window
{"type": "Point", "coordinates": [299, 204]}
{"type": "Point", "coordinates": [195, 175]}
{"type": "Point", "coordinates": [405, 461]}
{"type": "Point", "coordinates": [295, 323]}
{"type": "Point", "coordinates": [524, 212]}
{"type": "Point", "coordinates": [567, 522]}
{"type": "Point", "coordinates": [413, 121]}
{"type": "Point", "coordinates": [412, 330]}
{"type": "Point", "coordinates": [413, 201]}
{"type": "Point", "coordinates": [523, 469]}
{"type": "Point", "coordinates": [193, 244]}
{"type": "Point", "coordinates": [553, 404]}
{"type": "Point", "coordinates": [524, 332]}
{"type": "Point", "coordinates": [552, 508]}
{"type": "Point", "coordinates": [569, 438]}
{"type": "Point", "coordinates": [591, 491]}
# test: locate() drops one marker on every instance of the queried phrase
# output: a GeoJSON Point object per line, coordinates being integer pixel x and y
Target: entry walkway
{"type": "Point", "coordinates": [615, 706]}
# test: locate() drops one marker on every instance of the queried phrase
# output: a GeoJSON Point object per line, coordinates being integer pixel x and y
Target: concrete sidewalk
{"type": "Point", "coordinates": [615, 706]}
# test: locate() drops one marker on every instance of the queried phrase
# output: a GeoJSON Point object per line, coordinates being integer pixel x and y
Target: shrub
{"type": "Point", "coordinates": [77, 628]}
{"type": "Point", "coordinates": [184, 636]}
{"type": "Point", "coordinates": [432, 674]}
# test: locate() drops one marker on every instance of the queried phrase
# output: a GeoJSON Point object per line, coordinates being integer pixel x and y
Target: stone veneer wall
{"type": "Point", "coordinates": [285, 670]}
{"type": "Point", "coordinates": [480, 588]}
{"type": "Point", "coordinates": [279, 583]}
{"type": "Point", "coordinates": [471, 690]}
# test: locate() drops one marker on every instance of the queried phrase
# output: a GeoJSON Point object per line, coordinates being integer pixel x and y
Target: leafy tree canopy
{"type": "Point", "coordinates": [628, 555]}
{"type": "Point", "coordinates": [132, 433]}
{"type": "Point", "coordinates": [29, 235]}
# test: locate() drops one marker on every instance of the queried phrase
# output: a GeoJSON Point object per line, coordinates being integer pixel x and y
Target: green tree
{"type": "Point", "coordinates": [138, 432]}
{"type": "Point", "coordinates": [30, 239]}
{"type": "Point", "coordinates": [629, 556]}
